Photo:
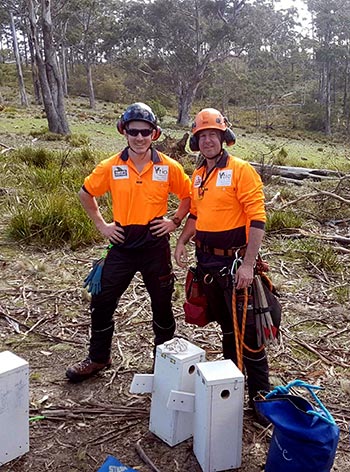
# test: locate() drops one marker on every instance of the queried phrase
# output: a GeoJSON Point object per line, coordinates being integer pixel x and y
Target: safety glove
{"type": "Point", "coordinates": [92, 281]}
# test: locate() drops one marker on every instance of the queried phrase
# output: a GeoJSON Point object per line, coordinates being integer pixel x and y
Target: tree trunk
{"type": "Point", "coordinates": [186, 97]}
{"type": "Point", "coordinates": [328, 130]}
{"type": "Point", "coordinates": [64, 58]}
{"type": "Point", "coordinates": [34, 68]}
{"type": "Point", "coordinates": [64, 70]}
{"type": "Point", "coordinates": [90, 84]}
{"type": "Point", "coordinates": [22, 90]}
{"type": "Point", "coordinates": [49, 74]}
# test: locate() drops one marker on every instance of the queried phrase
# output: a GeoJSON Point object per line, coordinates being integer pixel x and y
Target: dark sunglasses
{"type": "Point", "coordinates": [135, 132]}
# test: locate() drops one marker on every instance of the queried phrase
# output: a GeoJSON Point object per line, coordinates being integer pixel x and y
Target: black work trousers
{"type": "Point", "coordinates": [219, 294]}
{"type": "Point", "coordinates": [119, 268]}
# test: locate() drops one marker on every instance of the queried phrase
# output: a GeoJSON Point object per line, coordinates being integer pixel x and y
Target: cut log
{"type": "Point", "coordinates": [294, 174]}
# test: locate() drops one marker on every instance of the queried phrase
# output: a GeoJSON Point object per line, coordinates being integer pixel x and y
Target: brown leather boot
{"type": "Point", "coordinates": [84, 369]}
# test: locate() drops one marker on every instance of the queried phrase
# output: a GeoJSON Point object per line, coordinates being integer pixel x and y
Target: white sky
{"type": "Point", "coordinates": [304, 15]}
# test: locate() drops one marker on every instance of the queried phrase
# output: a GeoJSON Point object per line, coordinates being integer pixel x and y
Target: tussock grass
{"type": "Point", "coordinates": [37, 157]}
{"type": "Point", "coordinates": [53, 220]}
{"type": "Point", "coordinates": [282, 219]}
{"type": "Point", "coordinates": [45, 209]}
{"type": "Point", "coordinates": [314, 254]}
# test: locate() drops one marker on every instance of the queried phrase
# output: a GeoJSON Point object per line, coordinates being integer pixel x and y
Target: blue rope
{"type": "Point", "coordinates": [324, 414]}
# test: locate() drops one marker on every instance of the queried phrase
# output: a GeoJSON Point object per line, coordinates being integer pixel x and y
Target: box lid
{"type": "Point", "coordinates": [222, 371]}
{"type": "Point", "coordinates": [180, 349]}
{"type": "Point", "coordinates": [9, 361]}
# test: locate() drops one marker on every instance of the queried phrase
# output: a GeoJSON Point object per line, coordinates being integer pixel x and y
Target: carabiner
{"type": "Point", "coordinates": [208, 279]}
{"type": "Point", "coordinates": [236, 263]}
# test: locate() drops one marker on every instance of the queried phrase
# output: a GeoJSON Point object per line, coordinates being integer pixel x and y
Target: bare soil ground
{"type": "Point", "coordinates": [44, 318]}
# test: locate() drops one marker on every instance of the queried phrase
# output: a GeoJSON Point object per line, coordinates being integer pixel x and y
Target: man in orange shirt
{"type": "Point", "coordinates": [139, 180]}
{"type": "Point", "coordinates": [227, 216]}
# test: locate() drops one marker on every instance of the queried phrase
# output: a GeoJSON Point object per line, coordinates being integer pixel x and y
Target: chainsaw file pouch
{"type": "Point", "coordinates": [196, 305]}
{"type": "Point", "coordinates": [305, 437]}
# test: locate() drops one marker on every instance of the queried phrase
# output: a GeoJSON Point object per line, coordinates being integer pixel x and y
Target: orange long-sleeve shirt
{"type": "Point", "coordinates": [227, 202]}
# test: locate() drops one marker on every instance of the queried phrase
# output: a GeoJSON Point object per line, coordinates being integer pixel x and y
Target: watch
{"type": "Point", "coordinates": [176, 220]}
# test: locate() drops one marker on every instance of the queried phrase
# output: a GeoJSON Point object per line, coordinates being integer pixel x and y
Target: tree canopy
{"type": "Point", "coordinates": [178, 53]}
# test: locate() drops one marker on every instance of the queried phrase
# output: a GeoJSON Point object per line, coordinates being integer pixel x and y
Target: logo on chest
{"type": "Point", "coordinates": [197, 181]}
{"type": "Point", "coordinates": [160, 173]}
{"type": "Point", "coordinates": [120, 172]}
{"type": "Point", "coordinates": [224, 178]}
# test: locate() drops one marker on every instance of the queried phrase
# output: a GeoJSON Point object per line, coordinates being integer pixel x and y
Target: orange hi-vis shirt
{"type": "Point", "coordinates": [138, 198]}
{"type": "Point", "coordinates": [227, 202]}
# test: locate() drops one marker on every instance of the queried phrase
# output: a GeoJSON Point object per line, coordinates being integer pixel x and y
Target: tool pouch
{"type": "Point", "coordinates": [196, 305]}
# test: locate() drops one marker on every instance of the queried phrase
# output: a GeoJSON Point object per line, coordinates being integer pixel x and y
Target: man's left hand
{"type": "Point", "coordinates": [162, 227]}
{"type": "Point", "coordinates": [244, 276]}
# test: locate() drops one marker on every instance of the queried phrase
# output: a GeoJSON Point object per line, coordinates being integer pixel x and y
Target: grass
{"type": "Point", "coordinates": [48, 173]}
{"type": "Point", "coordinates": [98, 128]}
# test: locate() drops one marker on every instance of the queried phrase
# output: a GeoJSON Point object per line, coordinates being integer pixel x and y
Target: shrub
{"type": "Point", "coordinates": [77, 140]}
{"type": "Point", "coordinates": [158, 109]}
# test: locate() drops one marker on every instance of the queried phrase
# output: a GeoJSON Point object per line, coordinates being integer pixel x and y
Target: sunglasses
{"type": "Point", "coordinates": [135, 132]}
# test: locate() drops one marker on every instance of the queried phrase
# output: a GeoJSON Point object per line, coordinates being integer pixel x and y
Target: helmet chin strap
{"type": "Point", "coordinates": [214, 157]}
{"type": "Point", "coordinates": [138, 152]}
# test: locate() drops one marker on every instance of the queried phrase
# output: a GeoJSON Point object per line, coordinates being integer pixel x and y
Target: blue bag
{"type": "Point", "coordinates": [304, 438]}
{"type": "Point", "coordinates": [112, 464]}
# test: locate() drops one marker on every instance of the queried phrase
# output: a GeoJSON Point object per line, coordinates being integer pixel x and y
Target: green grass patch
{"type": "Point", "coordinates": [282, 219]}
{"type": "Point", "coordinates": [314, 253]}
{"type": "Point", "coordinates": [52, 220]}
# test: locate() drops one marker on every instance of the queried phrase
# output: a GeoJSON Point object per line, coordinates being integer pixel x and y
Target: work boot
{"type": "Point", "coordinates": [260, 419]}
{"type": "Point", "coordinates": [84, 369]}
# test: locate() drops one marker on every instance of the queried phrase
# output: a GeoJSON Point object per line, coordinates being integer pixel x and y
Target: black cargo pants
{"type": "Point", "coordinates": [120, 266]}
{"type": "Point", "coordinates": [219, 294]}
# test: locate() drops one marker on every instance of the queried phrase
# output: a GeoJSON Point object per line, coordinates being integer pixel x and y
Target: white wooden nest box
{"type": "Point", "coordinates": [218, 419]}
{"type": "Point", "coordinates": [14, 407]}
{"type": "Point", "coordinates": [172, 386]}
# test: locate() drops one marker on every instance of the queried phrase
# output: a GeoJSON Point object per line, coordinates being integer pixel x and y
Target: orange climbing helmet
{"type": "Point", "coordinates": [210, 118]}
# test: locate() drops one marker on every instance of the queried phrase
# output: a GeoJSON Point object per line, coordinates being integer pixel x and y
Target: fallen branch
{"type": "Point", "coordinates": [324, 237]}
{"type": "Point", "coordinates": [43, 334]}
{"type": "Point", "coordinates": [314, 351]}
{"type": "Point", "coordinates": [298, 173]}
{"type": "Point", "coordinates": [144, 456]}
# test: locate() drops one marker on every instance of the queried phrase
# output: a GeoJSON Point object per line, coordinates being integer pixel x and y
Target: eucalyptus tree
{"type": "Point", "coordinates": [22, 89]}
{"type": "Point", "coordinates": [177, 41]}
{"type": "Point", "coordinates": [85, 29]}
{"type": "Point", "coordinates": [332, 38]}
{"type": "Point", "coordinates": [10, 14]}
{"type": "Point", "coordinates": [42, 37]}
{"type": "Point", "coordinates": [273, 75]}
{"type": "Point", "coordinates": [190, 36]}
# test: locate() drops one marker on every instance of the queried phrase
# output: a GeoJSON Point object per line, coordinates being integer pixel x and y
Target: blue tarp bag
{"type": "Point", "coordinates": [112, 464]}
{"type": "Point", "coordinates": [305, 437]}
